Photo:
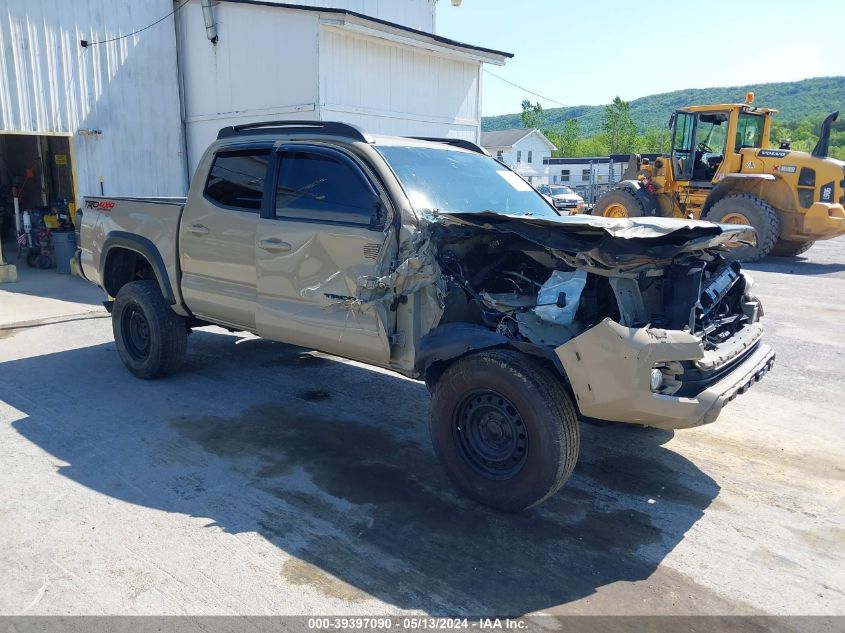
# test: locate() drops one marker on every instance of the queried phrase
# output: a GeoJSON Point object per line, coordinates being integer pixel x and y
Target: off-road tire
{"type": "Point", "coordinates": [787, 248]}
{"type": "Point", "coordinates": [761, 215]}
{"type": "Point", "coordinates": [138, 307]}
{"type": "Point", "coordinates": [624, 197]}
{"type": "Point", "coordinates": [543, 409]}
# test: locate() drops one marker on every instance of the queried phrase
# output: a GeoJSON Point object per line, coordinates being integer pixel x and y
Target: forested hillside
{"type": "Point", "coordinates": [641, 125]}
{"type": "Point", "coordinates": [797, 101]}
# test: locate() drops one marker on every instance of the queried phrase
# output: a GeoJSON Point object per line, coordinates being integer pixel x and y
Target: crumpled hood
{"type": "Point", "coordinates": [612, 242]}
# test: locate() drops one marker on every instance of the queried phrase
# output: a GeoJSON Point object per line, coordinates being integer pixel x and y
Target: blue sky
{"type": "Point", "coordinates": [589, 52]}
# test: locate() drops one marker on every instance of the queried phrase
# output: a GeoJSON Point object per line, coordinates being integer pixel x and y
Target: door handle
{"type": "Point", "coordinates": [274, 245]}
{"type": "Point", "coordinates": [198, 229]}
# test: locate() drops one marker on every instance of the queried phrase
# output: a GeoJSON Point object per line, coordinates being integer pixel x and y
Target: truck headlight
{"type": "Point", "coordinates": [656, 381]}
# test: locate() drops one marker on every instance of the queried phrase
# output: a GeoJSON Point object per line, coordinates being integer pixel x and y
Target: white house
{"type": "Point", "coordinates": [523, 150]}
{"type": "Point", "coordinates": [122, 97]}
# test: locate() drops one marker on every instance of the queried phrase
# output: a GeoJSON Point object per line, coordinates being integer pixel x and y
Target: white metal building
{"type": "Point", "coordinates": [523, 150]}
{"type": "Point", "coordinates": [130, 113]}
{"type": "Point", "coordinates": [280, 61]}
{"type": "Point", "coordinates": [115, 105]}
{"type": "Point", "coordinates": [590, 176]}
{"type": "Point", "coordinates": [583, 170]}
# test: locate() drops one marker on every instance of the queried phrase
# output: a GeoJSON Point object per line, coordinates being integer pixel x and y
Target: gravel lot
{"type": "Point", "coordinates": [267, 479]}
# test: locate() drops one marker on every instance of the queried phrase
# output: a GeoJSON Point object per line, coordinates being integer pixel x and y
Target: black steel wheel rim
{"type": "Point", "coordinates": [136, 332]}
{"type": "Point", "coordinates": [490, 434]}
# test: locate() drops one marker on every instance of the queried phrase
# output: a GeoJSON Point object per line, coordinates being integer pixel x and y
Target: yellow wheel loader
{"type": "Point", "coordinates": [721, 168]}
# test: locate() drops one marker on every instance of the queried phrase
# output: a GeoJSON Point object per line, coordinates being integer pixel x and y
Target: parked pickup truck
{"type": "Point", "coordinates": [430, 258]}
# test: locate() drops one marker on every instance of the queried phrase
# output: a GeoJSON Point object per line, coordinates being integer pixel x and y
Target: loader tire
{"type": "Point", "coordinates": [151, 339]}
{"type": "Point", "coordinates": [743, 208]}
{"type": "Point", "coordinates": [504, 428]}
{"type": "Point", "coordinates": [619, 203]}
{"type": "Point", "coordinates": [788, 248]}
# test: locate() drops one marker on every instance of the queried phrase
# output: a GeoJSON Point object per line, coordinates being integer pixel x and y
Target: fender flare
{"type": "Point", "coordinates": [145, 248]}
{"type": "Point", "coordinates": [647, 199]}
{"type": "Point", "coordinates": [446, 343]}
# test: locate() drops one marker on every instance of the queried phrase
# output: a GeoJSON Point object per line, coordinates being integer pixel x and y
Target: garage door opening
{"type": "Point", "coordinates": [37, 198]}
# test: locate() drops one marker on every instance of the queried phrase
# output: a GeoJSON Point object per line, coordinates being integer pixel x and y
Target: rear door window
{"type": "Point", "coordinates": [323, 186]}
{"type": "Point", "coordinates": [236, 179]}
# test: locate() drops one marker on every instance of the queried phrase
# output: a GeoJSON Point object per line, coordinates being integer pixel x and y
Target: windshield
{"type": "Point", "coordinates": [710, 132]}
{"type": "Point", "coordinates": [451, 181]}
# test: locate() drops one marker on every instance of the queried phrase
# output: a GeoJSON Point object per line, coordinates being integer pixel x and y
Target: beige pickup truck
{"type": "Point", "coordinates": [430, 258]}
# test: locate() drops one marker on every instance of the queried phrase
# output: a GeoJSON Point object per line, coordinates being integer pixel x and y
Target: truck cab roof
{"type": "Point", "coordinates": [344, 132]}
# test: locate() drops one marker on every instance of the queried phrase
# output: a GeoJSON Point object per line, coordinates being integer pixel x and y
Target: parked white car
{"type": "Point", "coordinates": [563, 198]}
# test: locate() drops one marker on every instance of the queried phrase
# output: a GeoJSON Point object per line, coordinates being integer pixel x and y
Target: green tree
{"type": "Point", "coordinates": [596, 145]}
{"type": "Point", "coordinates": [652, 142]}
{"type": "Point", "coordinates": [532, 114]}
{"type": "Point", "coordinates": [569, 138]}
{"type": "Point", "coordinates": [619, 127]}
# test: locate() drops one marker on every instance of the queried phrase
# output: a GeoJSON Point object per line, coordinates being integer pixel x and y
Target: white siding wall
{"type": "Point", "coordinates": [127, 88]}
{"type": "Point", "coordinates": [390, 88]}
{"type": "Point", "coordinates": [263, 67]}
{"type": "Point", "coordinates": [417, 14]}
{"type": "Point", "coordinates": [535, 169]}
{"type": "Point", "coordinates": [275, 63]}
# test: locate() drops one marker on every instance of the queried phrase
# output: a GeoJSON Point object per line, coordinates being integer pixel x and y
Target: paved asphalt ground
{"type": "Point", "coordinates": [266, 479]}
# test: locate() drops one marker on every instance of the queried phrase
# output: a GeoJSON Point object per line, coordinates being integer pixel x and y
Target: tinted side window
{"type": "Point", "coordinates": [316, 186]}
{"type": "Point", "coordinates": [236, 178]}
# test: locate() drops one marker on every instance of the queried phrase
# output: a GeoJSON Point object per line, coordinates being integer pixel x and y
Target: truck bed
{"type": "Point", "coordinates": [141, 224]}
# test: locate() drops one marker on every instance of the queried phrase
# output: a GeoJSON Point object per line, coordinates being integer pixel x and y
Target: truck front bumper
{"type": "Point", "coordinates": [609, 367]}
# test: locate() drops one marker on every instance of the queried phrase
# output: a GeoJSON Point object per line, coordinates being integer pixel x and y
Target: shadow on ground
{"type": "Point", "coordinates": [49, 284]}
{"type": "Point", "coordinates": [799, 265]}
{"type": "Point", "coordinates": [331, 463]}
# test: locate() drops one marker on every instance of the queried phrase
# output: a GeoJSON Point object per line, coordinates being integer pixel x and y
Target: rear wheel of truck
{"type": "Point", "coordinates": [746, 209]}
{"type": "Point", "coordinates": [504, 428]}
{"type": "Point", "coordinates": [619, 203]}
{"type": "Point", "coordinates": [787, 248]}
{"type": "Point", "coordinates": [151, 338]}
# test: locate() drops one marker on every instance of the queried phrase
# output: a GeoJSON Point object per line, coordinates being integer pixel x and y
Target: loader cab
{"type": "Point", "coordinates": [699, 142]}
{"type": "Point", "coordinates": [707, 140]}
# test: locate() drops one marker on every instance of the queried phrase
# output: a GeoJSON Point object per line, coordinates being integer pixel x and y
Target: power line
{"type": "Point", "coordinates": [526, 89]}
{"type": "Point", "coordinates": [120, 37]}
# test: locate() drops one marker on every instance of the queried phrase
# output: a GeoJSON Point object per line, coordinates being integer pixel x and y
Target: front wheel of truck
{"type": "Point", "coordinates": [151, 338]}
{"type": "Point", "coordinates": [504, 428]}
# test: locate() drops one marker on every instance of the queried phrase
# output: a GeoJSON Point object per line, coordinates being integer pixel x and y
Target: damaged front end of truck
{"type": "Point", "coordinates": [647, 319]}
